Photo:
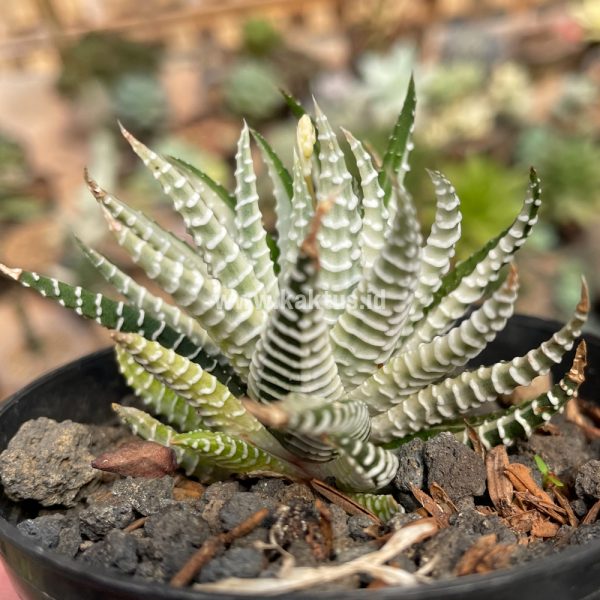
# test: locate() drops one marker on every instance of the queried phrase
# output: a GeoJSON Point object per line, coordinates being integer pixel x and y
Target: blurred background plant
{"type": "Point", "coordinates": [501, 85]}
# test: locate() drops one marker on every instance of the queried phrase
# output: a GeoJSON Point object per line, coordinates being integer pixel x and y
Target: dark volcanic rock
{"type": "Point", "coordinates": [411, 470]}
{"type": "Point", "coordinates": [295, 491]}
{"type": "Point", "coordinates": [53, 532]}
{"type": "Point", "coordinates": [586, 533]}
{"type": "Point", "coordinates": [48, 462]}
{"type": "Point", "coordinates": [98, 519]}
{"type": "Point", "coordinates": [563, 453]}
{"type": "Point", "coordinates": [268, 487]}
{"type": "Point", "coordinates": [241, 506]}
{"type": "Point", "coordinates": [174, 534]}
{"type": "Point", "coordinates": [147, 496]}
{"type": "Point", "coordinates": [236, 562]}
{"type": "Point", "coordinates": [453, 466]}
{"type": "Point", "coordinates": [472, 521]}
{"type": "Point", "coordinates": [587, 481]}
{"type": "Point", "coordinates": [214, 499]}
{"type": "Point", "coordinates": [446, 548]}
{"type": "Point", "coordinates": [118, 550]}
{"type": "Point", "coordinates": [357, 525]}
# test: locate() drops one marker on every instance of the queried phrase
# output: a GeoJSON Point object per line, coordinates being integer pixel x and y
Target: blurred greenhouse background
{"type": "Point", "coordinates": [502, 85]}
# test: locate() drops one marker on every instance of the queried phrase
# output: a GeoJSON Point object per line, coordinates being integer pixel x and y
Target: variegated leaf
{"type": "Point", "coordinates": [375, 214]}
{"type": "Point", "coordinates": [120, 316]}
{"type": "Point", "coordinates": [518, 422]}
{"type": "Point", "coordinates": [232, 453]}
{"type": "Point", "coordinates": [410, 371]}
{"type": "Point", "coordinates": [232, 321]}
{"type": "Point", "coordinates": [383, 506]}
{"type": "Point", "coordinates": [457, 395]}
{"type": "Point", "coordinates": [339, 252]}
{"type": "Point", "coordinates": [294, 352]}
{"type": "Point", "coordinates": [302, 214]}
{"type": "Point", "coordinates": [314, 416]}
{"type": "Point", "coordinates": [214, 195]}
{"type": "Point", "coordinates": [282, 191]}
{"type": "Point", "coordinates": [366, 333]}
{"type": "Point", "coordinates": [225, 260]}
{"type": "Point", "coordinates": [151, 304]}
{"type": "Point", "coordinates": [438, 250]}
{"type": "Point", "coordinates": [395, 160]}
{"type": "Point", "coordinates": [361, 466]}
{"type": "Point", "coordinates": [217, 407]}
{"type": "Point", "coordinates": [248, 218]}
{"type": "Point", "coordinates": [160, 399]}
{"type": "Point", "coordinates": [129, 219]}
{"type": "Point", "coordinates": [467, 285]}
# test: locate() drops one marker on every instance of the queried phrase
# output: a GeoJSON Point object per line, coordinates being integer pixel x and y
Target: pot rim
{"type": "Point", "coordinates": [540, 567]}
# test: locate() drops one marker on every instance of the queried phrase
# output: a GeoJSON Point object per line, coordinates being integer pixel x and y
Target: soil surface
{"type": "Point", "coordinates": [491, 510]}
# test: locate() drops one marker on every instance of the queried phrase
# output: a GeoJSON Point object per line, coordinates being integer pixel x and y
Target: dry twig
{"type": "Point", "coordinates": [300, 578]}
{"type": "Point", "coordinates": [208, 550]}
{"type": "Point", "coordinates": [347, 504]}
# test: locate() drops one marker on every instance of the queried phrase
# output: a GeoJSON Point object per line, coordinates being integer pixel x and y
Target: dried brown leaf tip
{"type": "Point", "coordinates": [138, 459]}
{"type": "Point", "coordinates": [485, 555]}
{"type": "Point", "coordinates": [500, 488]}
{"type": "Point", "coordinates": [438, 505]}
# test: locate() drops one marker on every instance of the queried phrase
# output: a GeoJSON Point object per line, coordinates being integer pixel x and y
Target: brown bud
{"type": "Point", "coordinates": [138, 459]}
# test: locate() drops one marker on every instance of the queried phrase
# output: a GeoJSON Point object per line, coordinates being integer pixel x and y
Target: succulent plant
{"type": "Point", "coordinates": [315, 355]}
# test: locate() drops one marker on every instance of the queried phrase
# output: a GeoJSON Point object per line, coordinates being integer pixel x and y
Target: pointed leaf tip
{"type": "Point", "coordinates": [93, 186]}
{"type": "Point", "coordinates": [12, 273]}
{"type": "Point", "coordinates": [584, 302]}
{"type": "Point", "coordinates": [577, 370]}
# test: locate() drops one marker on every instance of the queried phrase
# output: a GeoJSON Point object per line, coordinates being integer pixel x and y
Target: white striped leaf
{"type": "Point", "coordinates": [216, 405]}
{"type": "Point", "coordinates": [151, 304]}
{"type": "Point", "coordinates": [458, 395]}
{"type": "Point", "coordinates": [302, 214]}
{"type": "Point", "coordinates": [367, 332]}
{"type": "Point", "coordinates": [282, 190]}
{"type": "Point", "coordinates": [438, 251]}
{"type": "Point", "coordinates": [442, 313]}
{"type": "Point", "coordinates": [150, 231]}
{"type": "Point", "coordinates": [233, 454]}
{"type": "Point", "coordinates": [120, 316]}
{"type": "Point", "coordinates": [223, 256]}
{"type": "Point", "coordinates": [375, 214]}
{"type": "Point", "coordinates": [361, 466]}
{"type": "Point", "coordinates": [232, 321]}
{"type": "Point", "coordinates": [339, 252]}
{"type": "Point", "coordinates": [383, 506]}
{"type": "Point", "coordinates": [151, 429]}
{"type": "Point", "coordinates": [293, 354]}
{"type": "Point", "coordinates": [214, 195]}
{"type": "Point", "coordinates": [248, 218]}
{"type": "Point", "coordinates": [410, 371]}
{"type": "Point", "coordinates": [160, 399]}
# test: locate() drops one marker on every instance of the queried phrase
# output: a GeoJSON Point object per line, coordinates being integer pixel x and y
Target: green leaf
{"type": "Point", "coordinates": [383, 506]}
{"type": "Point", "coordinates": [399, 142]}
{"type": "Point", "coordinates": [126, 318]}
{"type": "Point", "coordinates": [469, 281]}
{"type": "Point", "coordinates": [293, 104]}
{"type": "Point", "coordinates": [453, 396]}
{"type": "Point", "coordinates": [283, 192]}
{"type": "Point", "coordinates": [227, 198]}
{"type": "Point", "coordinates": [251, 234]}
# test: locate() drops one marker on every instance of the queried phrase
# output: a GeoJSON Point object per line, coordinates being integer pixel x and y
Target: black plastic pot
{"type": "Point", "coordinates": [84, 390]}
